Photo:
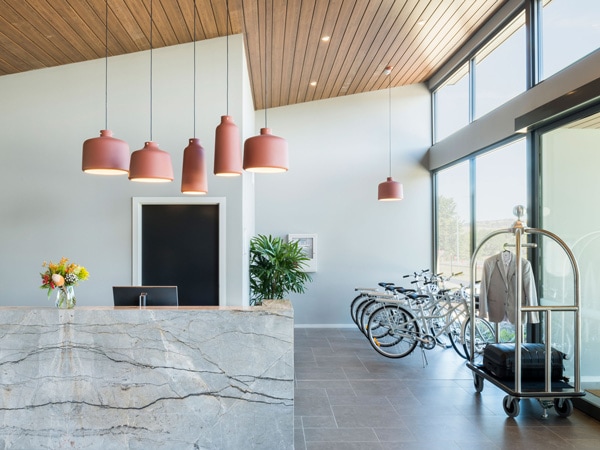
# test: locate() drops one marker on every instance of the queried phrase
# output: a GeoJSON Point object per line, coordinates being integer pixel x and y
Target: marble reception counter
{"type": "Point", "coordinates": [129, 378]}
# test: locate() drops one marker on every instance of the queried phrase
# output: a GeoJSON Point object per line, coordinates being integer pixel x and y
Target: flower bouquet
{"type": "Point", "coordinates": [63, 276]}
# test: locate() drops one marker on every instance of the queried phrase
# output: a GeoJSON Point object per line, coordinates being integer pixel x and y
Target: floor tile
{"type": "Point", "coordinates": [349, 397]}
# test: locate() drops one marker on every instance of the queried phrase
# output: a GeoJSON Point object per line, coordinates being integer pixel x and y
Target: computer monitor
{"type": "Point", "coordinates": [145, 296]}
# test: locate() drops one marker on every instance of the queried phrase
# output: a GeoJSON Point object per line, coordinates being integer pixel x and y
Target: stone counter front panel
{"type": "Point", "coordinates": [146, 379]}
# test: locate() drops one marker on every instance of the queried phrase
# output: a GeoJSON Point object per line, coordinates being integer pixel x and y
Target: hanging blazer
{"type": "Point", "coordinates": [498, 291]}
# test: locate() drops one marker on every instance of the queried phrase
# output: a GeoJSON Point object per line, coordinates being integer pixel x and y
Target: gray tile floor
{"type": "Point", "coordinates": [349, 397]}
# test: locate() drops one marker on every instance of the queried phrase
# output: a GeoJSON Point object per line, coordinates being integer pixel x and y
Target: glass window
{"type": "Point", "coordinates": [452, 104]}
{"type": "Point", "coordinates": [570, 31]}
{"type": "Point", "coordinates": [453, 220]}
{"type": "Point", "coordinates": [500, 68]}
{"type": "Point", "coordinates": [569, 184]}
{"type": "Point", "coordinates": [500, 185]}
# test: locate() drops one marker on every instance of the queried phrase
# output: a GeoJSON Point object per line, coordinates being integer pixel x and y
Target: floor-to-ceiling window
{"type": "Point", "coordinates": [569, 161]}
{"type": "Point", "coordinates": [493, 182]}
{"type": "Point", "coordinates": [558, 34]}
{"type": "Point", "coordinates": [453, 219]}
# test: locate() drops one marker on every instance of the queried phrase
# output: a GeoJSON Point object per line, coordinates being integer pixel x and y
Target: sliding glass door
{"type": "Point", "coordinates": [569, 194]}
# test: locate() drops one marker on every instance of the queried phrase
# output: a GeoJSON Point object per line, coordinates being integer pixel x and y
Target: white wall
{"type": "Point", "coordinates": [338, 156]}
{"type": "Point", "coordinates": [51, 209]}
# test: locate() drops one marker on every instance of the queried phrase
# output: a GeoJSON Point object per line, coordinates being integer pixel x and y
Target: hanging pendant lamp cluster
{"type": "Point", "coordinates": [389, 190]}
{"type": "Point", "coordinates": [264, 153]}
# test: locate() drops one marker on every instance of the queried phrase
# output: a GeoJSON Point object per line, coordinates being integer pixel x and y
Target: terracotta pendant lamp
{"type": "Point", "coordinates": [389, 190]}
{"type": "Point", "coordinates": [228, 154]}
{"type": "Point", "coordinates": [151, 164]}
{"type": "Point", "coordinates": [266, 153]}
{"type": "Point", "coordinates": [105, 155]}
{"type": "Point", "coordinates": [193, 176]}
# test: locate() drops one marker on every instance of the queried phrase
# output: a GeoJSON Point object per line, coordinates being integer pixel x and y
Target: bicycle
{"type": "Point", "coordinates": [394, 330]}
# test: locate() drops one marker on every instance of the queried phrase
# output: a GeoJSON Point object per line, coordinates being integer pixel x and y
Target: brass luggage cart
{"type": "Point", "coordinates": [550, 393]}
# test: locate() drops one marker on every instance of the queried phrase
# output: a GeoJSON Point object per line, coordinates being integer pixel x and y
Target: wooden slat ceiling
{"type": "Point", "coordinates": [283, 38]}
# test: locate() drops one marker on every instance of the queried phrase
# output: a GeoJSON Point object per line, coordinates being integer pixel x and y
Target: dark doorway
{"type": "Point", "coordinates": [180, 247]}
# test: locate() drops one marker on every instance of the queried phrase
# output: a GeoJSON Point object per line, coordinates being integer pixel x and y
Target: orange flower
{"type": "Point", "coordinates": [58, 279]}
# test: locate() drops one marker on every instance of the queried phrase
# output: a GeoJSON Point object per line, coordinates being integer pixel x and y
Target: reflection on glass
{"type": "Point", "coordinates": [569, 183]}
{"type": "Point", "coordinates": [453, 221]}
{"type": "Point", "coordinates": [452, 104]}
{"type": "Point", "coordinates": [570, 31]}
{"type": "Point", "coordinates": [500, 68]}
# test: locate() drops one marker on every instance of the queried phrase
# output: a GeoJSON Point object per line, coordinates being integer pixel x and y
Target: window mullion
{"type": "Point", "coordinates": [471, 90]}
{"type": "Point", "coordinates": [533, 12]}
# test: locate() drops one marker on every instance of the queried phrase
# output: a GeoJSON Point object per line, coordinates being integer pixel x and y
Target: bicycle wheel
{"type": "Point", "coordinates": [454, 333]}
{"type": "Point", "coordinates": [360, 298]}
{"type": "Point", "coordinates": [484, 334]}
{"type": "Point", "coordinates": [401, 331]}
{"type": "Point", "coordinates": [365, 312]}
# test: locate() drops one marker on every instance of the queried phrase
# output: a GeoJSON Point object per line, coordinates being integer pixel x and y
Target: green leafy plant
{"type": "Point", "coordinates": [276, 268]}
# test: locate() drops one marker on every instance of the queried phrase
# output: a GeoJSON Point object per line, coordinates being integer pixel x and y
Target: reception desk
{"type": "Point", "coordinates": [155, 378]}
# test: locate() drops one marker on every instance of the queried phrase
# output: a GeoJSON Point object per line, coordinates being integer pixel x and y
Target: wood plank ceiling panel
{"type": "Point", "coordinates": [399, 47]}
{"type": "Point", "coordinates": [374, 62]}
{"type": "Point", "coordinates": [414, 36]}
{"type": "Point", "coordinates": [341, 35]}
{"type": "Point", "coordinates": [139, 34]}
{"type": "Point", "coordinates": [26, 36]}
{"type": "Point", "coordinates": [350, 27]}
{"type": "Point", "coordinates": [462, 21]}
{"type": "Point", "coordinates": [277, 49]}
{"type": "Point", "coordinates": [395, 25]}
{"type": "Point", "coordinates": [312, 30]}
{"type": "Point", "coordinates": [367, 32]}
{"type": "Point", "coordinates": [290, 42]}
{"type": "Point", "coordinates": [323, 52]}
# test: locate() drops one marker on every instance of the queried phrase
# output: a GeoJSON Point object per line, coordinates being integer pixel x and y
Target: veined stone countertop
{"type": "Point", "coordinates": [152, 378]}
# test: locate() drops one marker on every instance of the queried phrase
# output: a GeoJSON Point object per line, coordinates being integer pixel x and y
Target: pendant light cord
{"type": "Point", "coordinates": [390, 118]}
{"type": "Point", "coordinates": [266, 79]}
{"type": "Point", "coordinates": [227, 61]}
{"type": "Point", "coordinates": [151, 26]}
{"type": "Point", "coordinates": [106, 67]}
{"type": "Point", "coordinates": [194, 68]}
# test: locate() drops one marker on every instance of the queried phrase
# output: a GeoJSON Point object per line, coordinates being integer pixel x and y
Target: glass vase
{"type": "Point", "coordinates": [65, 297]}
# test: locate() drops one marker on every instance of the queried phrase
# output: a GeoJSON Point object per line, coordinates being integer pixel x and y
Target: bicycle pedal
{"type": "Point", "coordinates": [376, 342]}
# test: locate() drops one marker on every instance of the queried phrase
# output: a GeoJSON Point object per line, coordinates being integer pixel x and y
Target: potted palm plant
{"type": "Point", "coordinates": [276, 268]}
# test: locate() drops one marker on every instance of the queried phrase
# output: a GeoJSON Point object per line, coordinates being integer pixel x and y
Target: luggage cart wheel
{"type": "Point", "coordinates": [511, 406]}
{"type": "Point", "coordinates": [563, 407]}
{"type": "Point", "coordinates": [478, 382]}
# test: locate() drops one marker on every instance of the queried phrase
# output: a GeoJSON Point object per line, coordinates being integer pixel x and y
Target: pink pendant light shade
{"type": "Point", "coordinates": [105, 155]}
{"type": "Point", "coordinates": [193, 179]}
{"type": "Point", "coordinates": [389, 190]}
{"type": "Point", "coordinates": [151, 165]}
{"type": "Point", "coordinates": [266, 153]}
{"type": "Point", "coordinates": [228, 155]}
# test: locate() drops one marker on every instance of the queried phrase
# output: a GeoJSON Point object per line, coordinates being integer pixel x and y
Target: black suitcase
{"type": "Point", "coordinates": [499, 360]}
